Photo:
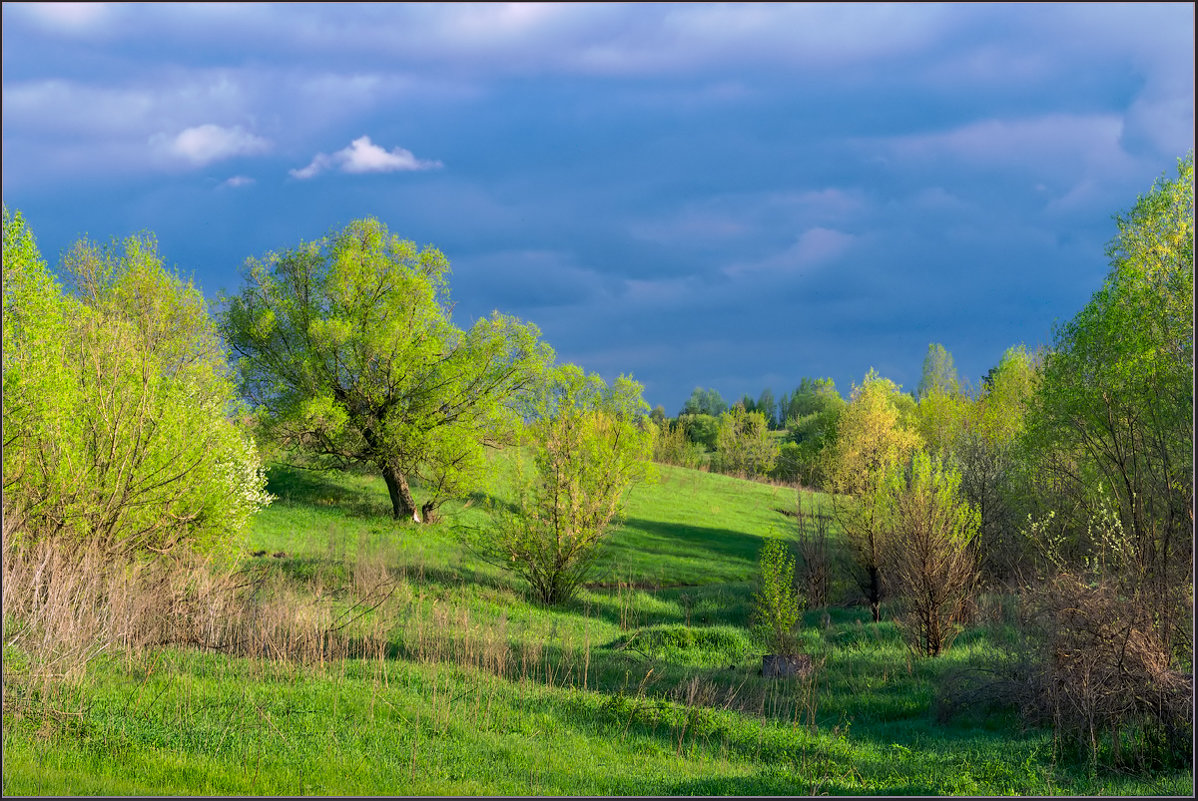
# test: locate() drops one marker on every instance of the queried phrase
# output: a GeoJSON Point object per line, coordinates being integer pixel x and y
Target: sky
{"type": "Point", "coordinates": [727, 196]}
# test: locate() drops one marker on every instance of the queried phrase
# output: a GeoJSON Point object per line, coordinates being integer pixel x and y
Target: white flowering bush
{"type": "Point", "coordinates": [119, 406]}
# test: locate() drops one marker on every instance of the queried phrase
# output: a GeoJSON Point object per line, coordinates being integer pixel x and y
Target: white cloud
{"type": "Point", "coordinates": [363, 156]}
{"type": "Point", "coordinates": [69, 18]}
{"type": "Point", "coordinates": [238, 181]}
{"type": "Point", "coordinates": [204, 144]}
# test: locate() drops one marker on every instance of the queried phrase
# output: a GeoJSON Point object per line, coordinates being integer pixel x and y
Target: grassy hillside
{"type": "Point", "coordinates": [428, 671]}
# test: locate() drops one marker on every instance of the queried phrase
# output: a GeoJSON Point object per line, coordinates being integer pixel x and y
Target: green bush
{"type": "Point", "coordinates": [588, 449]}
{"type": "Point", "coordinates": [701, 429]}
{"type": "Point", "coordinates": [776, 604]}
{"type": "Point", "coordinates": [789, 466]}
{"type": "Point", "coordinates": [118, 404]}
{"type": "Point", "coordinates": [744, 446]}
{"type": "Point", "coordinates": [671, 446]}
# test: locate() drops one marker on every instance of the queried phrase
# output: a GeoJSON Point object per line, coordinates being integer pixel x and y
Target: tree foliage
{"type": "Point", "coordinates": [704, 401]}
{"type": "Point", "coordinates": [942, 406]}
{"type": "Point", "coordinates": [1110, 432]}
{"type": "Point", "coordinates": [744, 446]}
{"type": "Point", "coordinates": [986, 451]}
{"type": "Point", "coordinates": [672, 446]}
{"type": "Point", "coordinates": [812, 418]}
{"type": "Point", "coordinates": [871, 440]}
{"type": "Point", "coordinates": [118, 403]}
{"type": "Point", "coordinates": [347, 347]}
{"type": "Point", "coordinates": [701, 429]}
{"type": "Point", "coordinates": [811, 396]}
{"type": "Point", "coordinates": [939, 374]}
{"type": "Point", "coordinates": [589, 447]}
{"type": "Point", "coordinates": [768, 407]}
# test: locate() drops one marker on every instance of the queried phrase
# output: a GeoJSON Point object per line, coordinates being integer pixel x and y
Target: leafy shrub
{"type": "Point", "coordinates": [789, 466]}
{"type": "Point", "coordinates": [589, 448]}
{"type": "Point", "coordinates": [744, 446]}
{"type": "Point", "coordinates": [701, 429]}
{"type": "Point", "coordinates": [671, 446]}
{"type": "Point", "coordinates": [776, 604]}
{"type": "Point", "coordinates": [928, 555]}
{"type": "Point", "coordinates": [118, 404]}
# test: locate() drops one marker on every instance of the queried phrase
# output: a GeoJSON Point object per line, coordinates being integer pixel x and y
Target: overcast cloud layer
{"type": "Point", "coordinates": [732, 196]}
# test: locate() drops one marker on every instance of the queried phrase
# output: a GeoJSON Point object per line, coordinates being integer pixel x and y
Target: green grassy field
{"type": "Point", "coordinates": [455, 683]}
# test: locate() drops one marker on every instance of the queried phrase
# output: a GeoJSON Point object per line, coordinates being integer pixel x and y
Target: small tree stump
{"type": "Point", "coordinates": [784, 666]}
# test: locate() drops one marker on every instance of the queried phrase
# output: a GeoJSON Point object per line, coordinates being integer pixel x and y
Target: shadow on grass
{"type": "Point", "coordinates": [316, 488]}
{"type": "Point", "coordinates": [717, 544]}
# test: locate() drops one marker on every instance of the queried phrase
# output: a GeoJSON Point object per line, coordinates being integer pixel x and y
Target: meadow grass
{"type": "Point", "coordinates": [456, 682]}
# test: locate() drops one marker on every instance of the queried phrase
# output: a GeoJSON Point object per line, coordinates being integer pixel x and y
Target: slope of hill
{"type": "Point", "coordinates": [389, 659]}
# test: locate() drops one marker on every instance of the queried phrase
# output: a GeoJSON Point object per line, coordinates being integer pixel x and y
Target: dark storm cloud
{"type": "Point", "coordinates": [719, 195]}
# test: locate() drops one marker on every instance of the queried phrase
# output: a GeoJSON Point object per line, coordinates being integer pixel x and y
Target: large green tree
{"type": "Point", "coordinates": [347, 347]}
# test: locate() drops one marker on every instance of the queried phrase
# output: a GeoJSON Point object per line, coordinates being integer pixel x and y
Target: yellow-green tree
{"type": "Point", "coordinates": [743, 443]}
{"type": "Point", "coordinates": [986, 452]}
{"type": "Point", "coordinates": [942, 406]}
{"type": "Point", "coordinates": [929, 556]}
{"type": "Point", "coordinates": [871, 440]}
{"type": "Point", "coordinates": [590, 445]}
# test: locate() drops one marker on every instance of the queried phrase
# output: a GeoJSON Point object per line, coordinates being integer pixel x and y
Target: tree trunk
{"type": "Point", "coordinates": [402, 503]}
{"type": "Point", "coordinates": [875, 593]}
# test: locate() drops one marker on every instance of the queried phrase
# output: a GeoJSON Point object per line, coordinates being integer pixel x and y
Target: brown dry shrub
{"type": "Point", "coordinates": [1089, 663]}
{"type": "Point", "coordinates": [813, 540]}
{"type": "Point", "coordinates": [1103, 669]}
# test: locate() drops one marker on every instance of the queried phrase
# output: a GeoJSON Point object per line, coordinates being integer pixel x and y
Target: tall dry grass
{"type": "Point", "coordinates": [66, 603]}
